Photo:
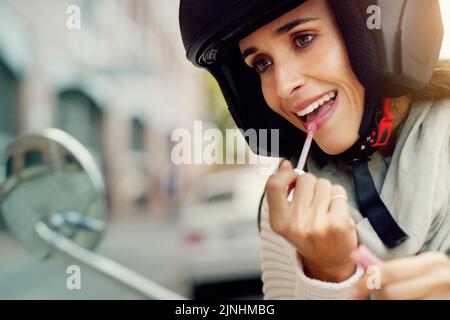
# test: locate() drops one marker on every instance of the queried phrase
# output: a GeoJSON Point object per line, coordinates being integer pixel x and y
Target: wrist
{"type": "Point", "coordinates": [335, 274]}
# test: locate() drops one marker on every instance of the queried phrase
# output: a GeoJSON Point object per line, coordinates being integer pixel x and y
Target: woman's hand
{"type": "Point", "coordinates": [318, 226]}
{"type": "Point", "coordinates": [425, 276]}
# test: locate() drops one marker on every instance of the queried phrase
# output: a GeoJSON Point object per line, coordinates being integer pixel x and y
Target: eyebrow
{"type": "Point", "coordinates": [283, 29]}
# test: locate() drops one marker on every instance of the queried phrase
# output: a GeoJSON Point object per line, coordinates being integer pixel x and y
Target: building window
{"type": "Point", "coordinates": [9, 85]}
{"type": "Point", "coordinates": [80, 116]}
{"type": "Point", "coordinates": [138, 132]}
{"type": "Point", "coordinates": [8, 104]}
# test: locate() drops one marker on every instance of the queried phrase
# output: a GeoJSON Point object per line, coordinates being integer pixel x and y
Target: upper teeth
{"type": "Point", "coordinates": [313, 106]}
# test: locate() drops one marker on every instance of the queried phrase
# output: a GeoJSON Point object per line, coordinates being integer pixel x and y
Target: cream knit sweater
{"type": "Point", "coordinates": [414, 184]}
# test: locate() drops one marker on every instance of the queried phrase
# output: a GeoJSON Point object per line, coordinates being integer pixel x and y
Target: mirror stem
{"type": "Point", "coordinates": [105, 265]}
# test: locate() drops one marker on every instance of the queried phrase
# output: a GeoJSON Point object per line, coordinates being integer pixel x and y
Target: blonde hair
{"type": "Point", "coordinates": [439, 85]}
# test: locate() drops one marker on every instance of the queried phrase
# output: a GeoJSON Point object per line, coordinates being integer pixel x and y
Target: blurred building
{"type": "Point", "coordinates": [119, 83]}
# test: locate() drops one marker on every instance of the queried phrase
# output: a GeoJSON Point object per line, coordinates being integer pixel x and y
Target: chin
{"type": "Point", "coordinates": [332, 152]}
{"type": "Point", "coordinates": [333, 149]}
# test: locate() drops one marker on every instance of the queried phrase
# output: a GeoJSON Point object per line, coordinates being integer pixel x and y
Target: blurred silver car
{"type": "Point", "coordinates": [220, 245]}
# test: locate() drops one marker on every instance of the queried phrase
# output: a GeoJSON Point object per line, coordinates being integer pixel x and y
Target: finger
{"type": "Point", "coordinates": [285, 165]}
{"type": "Point", "coordinates": [322, 198]}
{"type": "Point", "coordinates": [360, 290]}
{"type": "Point", "coordinates": [369, 283]}
{"type": "Point", "coordinates": [399, 270]}
{"type": "Point", "coordinates": [415, 288]}
{"type": "Point", "coordinates": [277, 189]}
{"type": "Point", "coordinates": [411, 267]}
{"type": "Point", "coordinates": [339, 201]}
{"type": "Point", "coordinates": [304, 191]}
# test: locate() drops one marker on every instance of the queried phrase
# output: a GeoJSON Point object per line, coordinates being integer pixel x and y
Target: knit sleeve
{"type": "Point", "coordinates": [282, 271]}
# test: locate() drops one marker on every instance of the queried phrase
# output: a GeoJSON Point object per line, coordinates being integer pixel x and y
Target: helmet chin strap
{"type": "Point", "coordinates": [375, 132]}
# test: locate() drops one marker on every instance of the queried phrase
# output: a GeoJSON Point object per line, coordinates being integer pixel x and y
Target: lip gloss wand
{"type": "Point", "coordinates": [304, 155]}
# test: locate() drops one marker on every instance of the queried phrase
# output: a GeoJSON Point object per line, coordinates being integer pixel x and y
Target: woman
{"type": "Point", "coordinates": [380, 169]}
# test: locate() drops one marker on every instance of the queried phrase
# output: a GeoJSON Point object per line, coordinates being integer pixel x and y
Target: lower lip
{"type": "Point", "coordinates": [322, 119]}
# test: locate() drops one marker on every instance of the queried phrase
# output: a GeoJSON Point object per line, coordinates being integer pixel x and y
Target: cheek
{"type": "Point", "coordinates": [270, 96]}
{"type": "Point", "coordinates": [334, 63]}
{"type": "Point", "coordinates": [330, 56]}
{"type": "Point", "coordinates": [336, 68]}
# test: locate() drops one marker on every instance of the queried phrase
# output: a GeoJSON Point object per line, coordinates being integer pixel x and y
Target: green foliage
{"type": "Point", "coordinates": [217, 109]}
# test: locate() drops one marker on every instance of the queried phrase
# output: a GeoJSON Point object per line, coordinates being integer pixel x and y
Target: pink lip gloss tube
{"type": "Point", "coordinates": [365, 258]}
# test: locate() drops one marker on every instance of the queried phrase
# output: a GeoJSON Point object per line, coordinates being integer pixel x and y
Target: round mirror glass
{"type": "Point", "coordinates": [52, 178]}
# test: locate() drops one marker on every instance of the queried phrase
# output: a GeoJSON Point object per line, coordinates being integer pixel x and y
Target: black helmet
{"type": "Point", "coordinates": [388, 61]}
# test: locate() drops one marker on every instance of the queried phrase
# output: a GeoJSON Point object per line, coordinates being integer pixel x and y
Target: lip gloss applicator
{"type": "Point", "coordinates": [304, 155]}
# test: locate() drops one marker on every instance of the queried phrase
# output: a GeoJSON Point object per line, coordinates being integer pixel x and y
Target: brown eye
{"type": "Point", "coordinates": [304, 40]}
{"type": "Point", "coordinates": [261, 65]}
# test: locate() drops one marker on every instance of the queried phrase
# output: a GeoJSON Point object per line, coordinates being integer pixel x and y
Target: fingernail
{"type": "Point", "coordinates": [284, 163]}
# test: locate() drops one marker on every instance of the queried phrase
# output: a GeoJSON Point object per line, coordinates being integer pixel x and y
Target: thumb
{"type": "Point", "coordinates": [285, 164]}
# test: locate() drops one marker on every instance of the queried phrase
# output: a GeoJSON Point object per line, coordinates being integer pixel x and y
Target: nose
{"type": "Point", "coordinates": [288, 79]}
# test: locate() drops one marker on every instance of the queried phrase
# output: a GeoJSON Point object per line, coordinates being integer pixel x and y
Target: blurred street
{"type": "Point", "coordinates": [145, 245]}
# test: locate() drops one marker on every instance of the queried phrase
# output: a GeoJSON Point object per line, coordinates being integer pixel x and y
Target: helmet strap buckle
{"type": "Point", "coordinates": [383, 131]}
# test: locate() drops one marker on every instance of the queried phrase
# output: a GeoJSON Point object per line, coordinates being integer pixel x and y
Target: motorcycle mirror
{"type": "Point", "coordinates": [51, 178]}
{"type": "Point", "coordinates": [53, 200]}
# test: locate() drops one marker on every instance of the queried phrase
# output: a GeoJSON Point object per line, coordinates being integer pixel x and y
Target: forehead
{"type": "Point", "coordinates": [308, 9]}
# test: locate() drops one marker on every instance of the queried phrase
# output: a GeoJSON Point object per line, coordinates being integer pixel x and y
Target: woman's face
{"type": "Point", "coordinates": [303, 65]}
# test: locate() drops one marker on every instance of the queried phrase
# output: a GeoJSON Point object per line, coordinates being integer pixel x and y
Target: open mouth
{"type": "Point", "coordinates": [319, 111]}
